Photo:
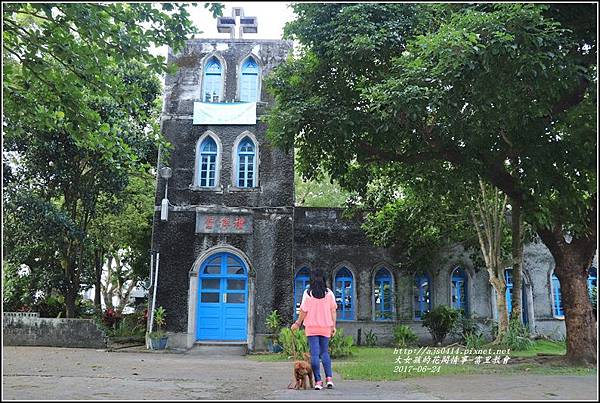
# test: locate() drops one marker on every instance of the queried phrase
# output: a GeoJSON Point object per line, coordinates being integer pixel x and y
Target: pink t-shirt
{"type": "Point", "coordinates": [318, 320]}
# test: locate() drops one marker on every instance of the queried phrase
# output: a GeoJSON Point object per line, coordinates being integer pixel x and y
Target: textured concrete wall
{"type": "Point", "coordinates": [269, 246]}
{"type": "Point", "coordinates": [325, 239]}
{"type": "Point", "coordinates": [30, 331]}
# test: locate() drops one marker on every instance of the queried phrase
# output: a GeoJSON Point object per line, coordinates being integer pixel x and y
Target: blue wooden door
{"type": "Point", "coordinates": [222, 299]}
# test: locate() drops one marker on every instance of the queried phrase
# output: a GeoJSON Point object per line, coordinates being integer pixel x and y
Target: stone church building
{"type": "Point", "coordinates": [229, 246]}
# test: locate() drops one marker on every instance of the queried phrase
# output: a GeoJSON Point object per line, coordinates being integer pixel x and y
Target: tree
{"type": "Point", "coordinates": [66, 49]}
{"type": "Point", "coordinates": [79, 93]}
{"type": "Point", "coordinates": [62, 181]}
{"type": "Point", "coordinates": [122, 239]}
{"type": "Point", "coordinates": [501, 91]}
{"type": "Point", "coordinates": [489, 223]}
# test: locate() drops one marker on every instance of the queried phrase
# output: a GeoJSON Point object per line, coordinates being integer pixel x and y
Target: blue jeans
{"type": "Point", "coordinates": [319, 351]}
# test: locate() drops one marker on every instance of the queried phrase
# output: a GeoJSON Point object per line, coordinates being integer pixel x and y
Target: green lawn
{"type": "Point", "coordinates": [379, 364]}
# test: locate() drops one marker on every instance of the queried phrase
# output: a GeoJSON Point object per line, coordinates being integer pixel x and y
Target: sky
{"type": "Point", "coordinates": [271, 17]}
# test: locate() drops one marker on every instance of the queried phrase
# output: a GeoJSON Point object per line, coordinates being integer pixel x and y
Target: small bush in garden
{"type": "Point", "coordinates": [287, 337]}
{"type": "Point", "coordinates": [517, 336]}
{"type": "Point", "coordinates": [474, 340]}
{"type": "Point", "coordinates": [110, 318]}
{"type": "Point", "coordinates": [440, 321]}
{"type": "Point", "coordinates": [371, 338]}
{"type": "Point", "coordinates": [52, 307]}
{"type": "Point", "coordinates": [340, 345]}
{"type": "Point", "coordinates": [404, 336]}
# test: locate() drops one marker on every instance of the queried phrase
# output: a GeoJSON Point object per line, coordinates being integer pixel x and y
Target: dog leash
{"type": "Point", "coordinates": [294, 353]}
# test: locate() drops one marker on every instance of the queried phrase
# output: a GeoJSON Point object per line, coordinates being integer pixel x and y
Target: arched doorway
{"type": "Point", "coordinates": [222, 310]}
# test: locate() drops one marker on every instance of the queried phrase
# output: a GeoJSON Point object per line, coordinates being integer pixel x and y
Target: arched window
{"type": "Point", "coordinates": [213, 81]}
{"type": "Point", "coordinates": [458, 285]}
{"type": "Point", "coordinates": [301, 283]}
{"type": "Point", "coordinates": [557, 307]}
{"type": "Point", "coordinates": [246, 164]}
{"type": "Point", "coordinates": [249, 81]}
{"type": "Point", "coordinates": [422, 294]}
{"type": "Point", "coordinates": [382, 297]}
{"type": "Point", "coordinates": [207, 162]}
{"type": "Point", "coordinates": [344, 296]}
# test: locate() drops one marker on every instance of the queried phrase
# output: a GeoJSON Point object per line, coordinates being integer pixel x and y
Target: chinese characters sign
{"type": "Point", "coordinates": [223, 223]}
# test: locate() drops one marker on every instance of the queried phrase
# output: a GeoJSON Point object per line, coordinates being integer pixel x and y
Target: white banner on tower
{"type": "Point", "coordinates": [234, 113]}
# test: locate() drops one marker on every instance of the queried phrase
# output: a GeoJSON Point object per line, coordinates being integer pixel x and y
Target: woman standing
{"type": "Point", "coordinates": [318, 312]}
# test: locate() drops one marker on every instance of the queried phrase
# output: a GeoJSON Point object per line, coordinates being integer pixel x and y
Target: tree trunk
{"type": "Point", "coordinates": [500, 287]}
{"type": "Point", "coordinates": [517, 257]}
{"type": "Point", "coordinates": [488, 219]}
{"type": "Point", "coordinates": [98, 260]}
{"type": "Point", "coordinates": [572, 263]}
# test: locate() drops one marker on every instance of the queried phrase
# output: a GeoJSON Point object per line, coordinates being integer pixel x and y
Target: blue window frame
{"type": "Point", "coordinates": [509, 295]}
{"type": "Point", "coordinates": [246, 163]}
{"type": "Point", "coordinates": [422, 295]}
{"type": "Point", "coordinates": [458, 295]}
{"type": "Point", "coordinates": [213, 81]}
{"type": "Point", "coordinates": [222, 298]}
{"type": "Point", "coordinates": [301, 283]}
{"type": "Point", "coordinates": [557, 307]}
{"type": "Point", "coordinates": [344, 294]}
{"type": "Point", "coordinates": [249, 81]}
{"type": "Point", "coordinates": [207, 163]}
{"type": "Point", "coordinates": [382, 297]}
{"type": "Point", "coordinates": [592, 280]}
{"type": "Point", "coordinates": [509, 289]}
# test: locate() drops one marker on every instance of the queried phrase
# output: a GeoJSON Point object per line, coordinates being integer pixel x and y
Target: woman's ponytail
{"type": "Point", "coordinates": [318, 288]}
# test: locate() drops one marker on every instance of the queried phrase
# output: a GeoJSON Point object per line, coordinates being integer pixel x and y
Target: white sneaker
{"type": "Point", "coordinates": [319, 385]}
{"type": "Point", "coordinates": [330, 384]}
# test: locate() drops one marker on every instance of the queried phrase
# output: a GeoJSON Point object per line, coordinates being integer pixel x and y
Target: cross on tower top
{"type": "Point", "coordinates": [246, 24]}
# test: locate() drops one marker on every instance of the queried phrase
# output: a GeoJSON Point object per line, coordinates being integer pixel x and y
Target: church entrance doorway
{"type": "Point", "coordinates": [222, 311]}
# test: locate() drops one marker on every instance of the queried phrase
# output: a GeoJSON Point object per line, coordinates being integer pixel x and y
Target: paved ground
{"type": "Point", "coordinates": [59, 373]}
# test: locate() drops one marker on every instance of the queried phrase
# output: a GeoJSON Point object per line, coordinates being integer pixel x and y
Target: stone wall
{"type": "Point", "coordinates": [324, 238]}
{"type": "Point", "coordinates": [32, 331]}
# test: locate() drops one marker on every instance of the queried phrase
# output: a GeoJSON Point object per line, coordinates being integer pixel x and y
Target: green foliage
{"type": "Point", "coordinates": [370, 339]}
{"type": "Point", "coordinates": [160, 315]}
{"type": "Point", "coordinates": [404, 336]}
{"type": "Point", "coordinates": [340, 345]}
{"type": "Point", "coordinates": [440, 321]}
{"type": "Point", "coordinates": [294, 343]}
{"type": "Point", "coordinates": [474, 340]}
{"type": "Point", "coordinates": [65, 50]}
{"type": "Point", "coordinates": [449, 94]}
{"type": "Point", "coordinates": [273, 323]}
{"type": "Point", "coordinates": [466, 328]}
{"type": "Point", "coordinates": [318, 192]}
{"type": "Point", "coordinates": [517, 337]}
{"type": "Point", "coordinates": [129, 326]}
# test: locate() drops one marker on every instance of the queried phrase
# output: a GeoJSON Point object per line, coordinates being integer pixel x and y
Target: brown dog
{"type": "Point", "coordinates": [302, 375]}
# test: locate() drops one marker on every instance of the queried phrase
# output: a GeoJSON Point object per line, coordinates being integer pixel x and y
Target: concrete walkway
{"type": "Point", "coordinates": [45, 373]}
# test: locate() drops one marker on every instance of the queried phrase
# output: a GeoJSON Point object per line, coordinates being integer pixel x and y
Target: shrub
{"type": "Point", "coordinates": [86, 308]}
{"type": "Point", "coordinates": [273, 323]}
{"type": "Point", "coordinates": [110, 318]}
{"type": "Point", "coordinates": [467, 329]}
{"type": "Point", "coordinates": [51, 306]}
{"type": "Point", "coordinates": [370, 338]}
{"type": "Point", "coordinates": [474, 340]}
{"type": "Point", "coordinates": [404, 336]}
{"type": "Point", "coordinates": [291, 341]}
{"type": "Point", "coordinates": [517, 336]}
{"type": "Point", "coordinates": [340, 345]}
{"type": "Point", "coordinates": [440, 321]}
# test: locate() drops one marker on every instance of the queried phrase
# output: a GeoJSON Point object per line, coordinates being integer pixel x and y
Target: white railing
{"type": "Point", "coordinates": [22, 314]}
